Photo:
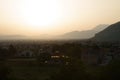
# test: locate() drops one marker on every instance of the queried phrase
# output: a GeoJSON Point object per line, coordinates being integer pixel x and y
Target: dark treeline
{"type": "Point", "coordinates": [71, 61]}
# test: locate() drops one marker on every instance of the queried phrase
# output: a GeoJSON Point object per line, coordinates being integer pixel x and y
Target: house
{"type": "Point", "coordinates": [90, 55]}
{"type": "Point", "coordinates": [58, 58]}
{"type": "Point", "coordinates": [26, 54]}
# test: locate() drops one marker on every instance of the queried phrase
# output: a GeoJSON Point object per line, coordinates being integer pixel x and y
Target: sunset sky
{"type": "Point", "coordinates": [54, 17]}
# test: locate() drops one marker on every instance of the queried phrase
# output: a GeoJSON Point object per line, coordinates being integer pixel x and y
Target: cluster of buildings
{"type": "Point", "coordinates": [90, 54]}
{"type": "Point", "coordinates": [100, 55]}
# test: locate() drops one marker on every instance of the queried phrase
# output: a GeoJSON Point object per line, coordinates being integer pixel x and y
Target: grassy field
{"type": "Point", "coordinates": [30, 70]}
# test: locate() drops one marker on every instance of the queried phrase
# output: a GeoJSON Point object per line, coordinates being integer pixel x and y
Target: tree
{"type": "Point", "coordinates": [73, 71]}
{"type": "Point", "coordinates": [43, 57]}
{"type": "Point", "coordinates": [3, 54]}
{"type": "Point", "coordinates": [12, 50]}
{"type": "Point", "coordinates": [111, 71]}
{"type": "Point", "coordinates": [4, 69]}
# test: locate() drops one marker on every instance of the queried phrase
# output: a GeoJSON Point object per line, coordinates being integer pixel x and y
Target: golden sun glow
{"type": "Point", "coordinates": [41, 13]}
{"type": "Point", "coordinates": [54, 17]}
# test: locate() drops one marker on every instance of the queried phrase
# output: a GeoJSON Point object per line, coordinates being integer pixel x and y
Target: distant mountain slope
{"type": "Point", "coordinates": [112, 33]}
{"type": "Point", "coordinates": [100, 27]}
{"type": "Point", "coordinates": [83, 34]}
{"type": "Point", "coordinates": [70, 35]}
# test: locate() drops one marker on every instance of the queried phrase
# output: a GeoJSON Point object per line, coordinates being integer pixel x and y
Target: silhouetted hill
{"type": "Point", "coordinates": [83, 34]}
{"type": "Point", "coordinates": [112, 33]}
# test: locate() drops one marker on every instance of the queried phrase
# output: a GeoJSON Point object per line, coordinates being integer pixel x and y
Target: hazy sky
{"type": "Point", "coordinates": [35, 17]}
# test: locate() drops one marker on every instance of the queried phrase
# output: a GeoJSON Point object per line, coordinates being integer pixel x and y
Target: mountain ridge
{"type": "Point", "coordinates": [111, 33]}
{"type": "Point", "coordinates": [86, 34]}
